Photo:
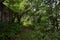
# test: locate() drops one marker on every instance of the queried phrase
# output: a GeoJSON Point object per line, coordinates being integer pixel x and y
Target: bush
{"type": "Point", "coordinates": [8, 30]}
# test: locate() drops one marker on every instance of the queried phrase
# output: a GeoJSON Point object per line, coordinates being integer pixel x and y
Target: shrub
{"type": "Point", "coordinates": [8, 30]}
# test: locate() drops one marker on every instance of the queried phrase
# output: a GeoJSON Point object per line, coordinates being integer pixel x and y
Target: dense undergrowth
{"type": "Point", "coordinates": [42, 35]}
{"type": "Point", "coordinates": [42, 17]}
{"type": "Point", "coordinates": [8, 30]}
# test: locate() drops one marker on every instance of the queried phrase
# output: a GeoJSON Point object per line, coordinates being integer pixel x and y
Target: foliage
{"type": "Point", "coordinates": [8, 30]}
{"type": "Point", "coordinates": [42, 16]}
{"type": "Point", "coordinates": [16, 5]}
